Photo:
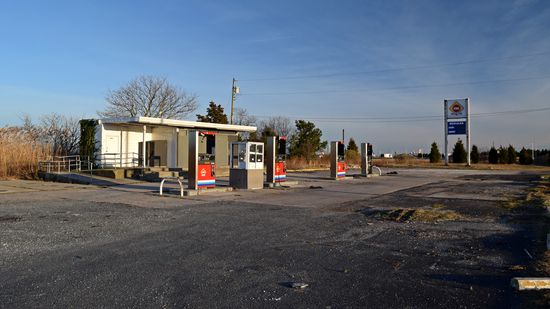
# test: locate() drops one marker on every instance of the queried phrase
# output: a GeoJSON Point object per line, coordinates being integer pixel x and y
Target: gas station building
{"type": "Point", "coordinates": [121, 142]}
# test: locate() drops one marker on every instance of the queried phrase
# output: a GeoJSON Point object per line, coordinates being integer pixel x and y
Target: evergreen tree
{"type": "Point", "coordinates": [435, 155]}
{"type": "Point", "coordinates": [474, 155]}
{"type": "Point", "coordinates": [493, 155]}
{"type": "Point", "coordinates": [352, 152]}
{"type": "Point", "coordinates": [214, 114]}
{"type": "Point", "coordinates": [525, 157]}
{"type": "Point", "coordinates": [352, 145]}
{"type": "Point", "coordinates": [503, 155]}
{"type": "Point", "coordinates": [459, 153]}
{"type": "Point", "coordinates": [512, 155]}
{"type": "Point", "coordinates": [306, 142]}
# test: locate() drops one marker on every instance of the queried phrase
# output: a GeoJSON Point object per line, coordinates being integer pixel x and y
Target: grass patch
{"type": "Point", "coordinates": [438, 206]}
{"type": "Point", "coordinates": [538, 196]}
{"type": "Point", "coordinates": [418, 215]}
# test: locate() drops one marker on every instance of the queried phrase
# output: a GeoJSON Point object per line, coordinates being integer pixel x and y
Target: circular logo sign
{"type": "Point", "coordinates": [203, 172]}
{"type": "Point", "coordinates": [456, 107]}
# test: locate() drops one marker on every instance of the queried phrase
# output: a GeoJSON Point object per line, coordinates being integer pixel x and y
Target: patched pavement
{"type": "Point", "coordinates": [124, 246]}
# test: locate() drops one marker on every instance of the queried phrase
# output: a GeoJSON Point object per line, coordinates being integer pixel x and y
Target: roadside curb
{"type": "Point", "coordinates": [522, 284]}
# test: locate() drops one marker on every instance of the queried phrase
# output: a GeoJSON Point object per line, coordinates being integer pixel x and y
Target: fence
{"type": "Point", "coordinates": [58, 164]}
{"type": "Point", "coordinates": [111, 160]}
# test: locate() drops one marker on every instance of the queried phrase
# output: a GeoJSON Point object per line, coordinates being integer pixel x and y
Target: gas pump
{"type": "Point", "coordinates": [366, 159]}
{"type": "Point", "coordinates": [206, 167]}
{"type": "Point", "coordinates": [246, 162]}
{"type": "Point", "coordinates": [280, 160]}
{"type": "Point", "coordinates": [276, 159]}
{"type": "Point", "coordinates": [369, 157]}
{"type": "Point", "coordinates": [337, 160]}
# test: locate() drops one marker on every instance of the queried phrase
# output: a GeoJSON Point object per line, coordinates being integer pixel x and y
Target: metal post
{"type": "Point", "coordinates": [468, 135]}
{"type": "Point", "coordinates": [446, 131]}
{"type": "Point", "coordinates": [192, 170]}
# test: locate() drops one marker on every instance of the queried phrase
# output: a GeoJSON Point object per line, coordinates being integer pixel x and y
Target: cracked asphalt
{"type": "Point", "coordinates": [124, 246]}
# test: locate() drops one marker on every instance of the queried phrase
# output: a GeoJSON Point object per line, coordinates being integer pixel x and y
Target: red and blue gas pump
{"type": "Point", "coordinates": [280, 159]}
{"type": "Point", "coordinates": [341, 164]}
{"type": "Point", "coordinates": [206, 169]}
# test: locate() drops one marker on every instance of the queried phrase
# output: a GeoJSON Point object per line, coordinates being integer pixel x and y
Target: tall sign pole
{"type": "Point", "coordinates": [457, 122]}
{"type": "Point", "coordinates": [468, 135]}
{"type": "Point", "coordinates": [446, 132]}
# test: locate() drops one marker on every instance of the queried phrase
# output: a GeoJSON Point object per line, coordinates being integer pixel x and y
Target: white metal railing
{"type": "Point", "coordinates": [110, 160]}
{"type": "Point", "coordinates": [59, 164]}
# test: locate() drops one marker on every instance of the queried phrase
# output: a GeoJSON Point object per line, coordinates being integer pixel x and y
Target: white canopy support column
{"type": "Point", "coordinates": [120, 149]}
{"type": "Point", "coordinates": [144, 148]}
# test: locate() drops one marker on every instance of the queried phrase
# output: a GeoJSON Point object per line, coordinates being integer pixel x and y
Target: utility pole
{"type": "Point", "coordinates": [533, 151]}
{"type": "Point", "coordinates": [343, 136]}
{"type": "Point", "coordinates": [234, 91]}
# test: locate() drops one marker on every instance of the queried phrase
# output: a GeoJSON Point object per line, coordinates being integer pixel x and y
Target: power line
{"type": "Point", "coordinates": [427, 66]}
{"type": "Point", "coordinates": [412, 118]}
{"type": "Point", "coordinates": [399, 87]}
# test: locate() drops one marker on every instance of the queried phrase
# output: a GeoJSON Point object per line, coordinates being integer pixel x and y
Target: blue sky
{"type": "Point", "coordinates": [64, 56]}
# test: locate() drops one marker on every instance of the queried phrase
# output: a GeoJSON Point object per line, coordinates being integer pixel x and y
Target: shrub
{"type": "Point", "coordinates": [512, 155]}
{"type": "Point", "coordinates": [459, 153]}
{"type": "Point", "coordinates": [435, 155]}
{"type": "Point", "coordinates": [525, 157]}
{"type": "Point", "coordinates": [474, 155]}
{"type": "Point", "coordinates": [493, 156]}
{"type": "Point", "coordinates": [503, 155]}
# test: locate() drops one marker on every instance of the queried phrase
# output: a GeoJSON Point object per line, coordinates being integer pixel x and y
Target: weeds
{"type": "Point", "coordinates": [418, 215]}
{"type": "Point", "coordinates": [19, 153]}
{"type": "Point", "coordinates": [538, 196]}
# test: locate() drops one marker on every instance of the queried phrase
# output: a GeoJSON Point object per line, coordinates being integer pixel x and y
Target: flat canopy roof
{"type": "Point", "coordinates": [178, 124]}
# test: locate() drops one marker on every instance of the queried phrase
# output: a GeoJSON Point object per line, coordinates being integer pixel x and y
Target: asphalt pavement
{"type": "Point", "coordinates": [124, 246]}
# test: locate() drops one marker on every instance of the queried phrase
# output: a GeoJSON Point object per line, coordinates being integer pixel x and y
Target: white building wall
{"type": "Point", "coordinates": [115, 140]}
{"type": "Point", "coordinates": [168, 135]}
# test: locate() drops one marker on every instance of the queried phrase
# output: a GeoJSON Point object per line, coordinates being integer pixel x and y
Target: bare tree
{"type": "Point", "coordinates": [149, 96]}
{"type": "Point", "coordinates": [33, 131]}
{"type": "Point", "coordinates": [279, 125]}
{"type": "Point", "coordinates": [62, 133]}
{"type": "Point", "coordinates": [242, 117]}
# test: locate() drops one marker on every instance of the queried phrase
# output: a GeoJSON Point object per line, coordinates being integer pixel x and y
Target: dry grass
{"type": "Point", "coordinates": [538, 196]}
{"type": "Point", "coordinates": [411, 162]}
{"type": "Point", "coordinates": [301, 164]}
{"type": "Point", "coordinates": [19, 154]}
{"type": "Point", "coordinates": [405, 161]}
{"type": "Point", "coordinates": [434, 214]}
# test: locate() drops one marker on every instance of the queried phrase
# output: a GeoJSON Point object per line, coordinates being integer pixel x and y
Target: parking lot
{"type": "Point", "coordinates": [415, 238]}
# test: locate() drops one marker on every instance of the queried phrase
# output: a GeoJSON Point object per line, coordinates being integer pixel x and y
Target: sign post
{"type": "Point", "coordinates": [457, 122]}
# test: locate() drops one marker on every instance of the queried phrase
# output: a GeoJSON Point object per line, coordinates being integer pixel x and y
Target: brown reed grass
{"type": "Point", "coordinates": [19, 154]}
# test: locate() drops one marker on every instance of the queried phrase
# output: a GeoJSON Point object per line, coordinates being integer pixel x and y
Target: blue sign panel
{"type": "Point", "coordinates": [456, 128]}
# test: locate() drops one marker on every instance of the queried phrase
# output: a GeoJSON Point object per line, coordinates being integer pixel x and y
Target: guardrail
{"type": "Point", "coordinates": [110, 160]}
{"type": "Point", "coordinates": [58, 164]}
